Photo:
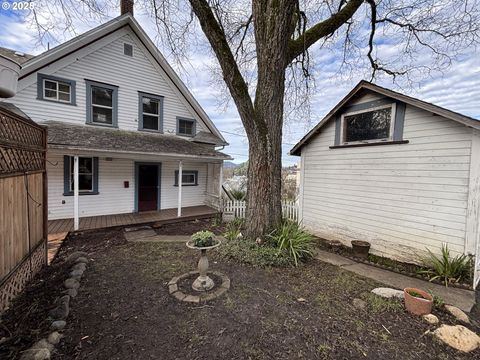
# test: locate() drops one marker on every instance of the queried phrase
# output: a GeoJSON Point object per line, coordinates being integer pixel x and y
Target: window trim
{"type": "Point", "coordinates": [41, 89]}
{"type": "Point", "coordinates": [67, 173]}
{"type": "Point", "coordinates": [390, 137]}
{"type": "Point", "coordinates": [114, 88]}
{"type": "Point", "coordinates": [189, 172]}
{"type": "Point", "coordinates": [160, 98]}
{"type": "Point", "coordinates": [194, 128]}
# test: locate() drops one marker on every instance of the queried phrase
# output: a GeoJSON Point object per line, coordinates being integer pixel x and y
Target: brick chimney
{"type": "Point", "coordinates": [126, 6]}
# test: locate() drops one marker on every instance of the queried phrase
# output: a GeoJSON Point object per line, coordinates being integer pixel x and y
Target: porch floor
{"type": "Point", "coordinates": [106, 221]}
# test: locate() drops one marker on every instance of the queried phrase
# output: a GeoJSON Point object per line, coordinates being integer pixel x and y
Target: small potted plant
{"type": "Point", "coordinates": [417, 301]}
{"type": "Point", "coordinates": [360, 248]}
{"type": "Point", "coordinates": [203, 239]}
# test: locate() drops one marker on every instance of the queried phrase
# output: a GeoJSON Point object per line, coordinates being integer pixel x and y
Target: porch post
{"type": "Point", "coordinates": [220, 180]}
{"type": "Point", "coordinates": [75, 192]}
{"type": "Point", "coordinates": [180, 170]}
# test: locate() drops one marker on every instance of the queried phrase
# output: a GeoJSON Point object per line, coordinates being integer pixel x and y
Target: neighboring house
{"type": "Point", "coordinates": [111, 100]}
{"type": "Point", "coordinates": [398, 172]}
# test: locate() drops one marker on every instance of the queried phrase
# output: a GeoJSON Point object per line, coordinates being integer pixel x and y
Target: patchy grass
{"type": "Point", "coordinates": [379, 304]}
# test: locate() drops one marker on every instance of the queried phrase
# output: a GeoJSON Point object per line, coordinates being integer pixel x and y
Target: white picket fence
{"type": "Point", "coordinates": [237, 209]}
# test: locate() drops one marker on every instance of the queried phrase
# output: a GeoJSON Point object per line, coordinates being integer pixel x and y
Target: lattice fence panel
{"type": "Point", "coordinates": [21, 145]}
{"type": "Point", "coordinates": [24, 272]}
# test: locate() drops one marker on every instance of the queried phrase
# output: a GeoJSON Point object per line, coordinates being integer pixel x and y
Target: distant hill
{"type": "Point", "coordinates": [229, 165]}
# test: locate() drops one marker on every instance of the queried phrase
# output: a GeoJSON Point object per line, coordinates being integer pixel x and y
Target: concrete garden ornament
{"type": "Point", "coordinates": [203, 241]}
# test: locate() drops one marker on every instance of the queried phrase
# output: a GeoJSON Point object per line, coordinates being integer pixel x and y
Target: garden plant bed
{"type": "Point", "coordinates": [385, 263]}
{"type": "Point", "coordinates": [191, 227]}
{"type": "Point", "coordinates": [124, 311]}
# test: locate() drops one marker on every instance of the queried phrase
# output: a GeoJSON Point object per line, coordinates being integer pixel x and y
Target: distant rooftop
{"type": "Point", "coordinates": [17, 56]}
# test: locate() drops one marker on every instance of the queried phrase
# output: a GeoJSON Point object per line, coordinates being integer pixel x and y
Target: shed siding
{"type": "Point", "coordinates": [401, 198]}
{"type": "Point", "coordinates": [104, 61]}
{"type": "Point", "coordinates": [113, 198]}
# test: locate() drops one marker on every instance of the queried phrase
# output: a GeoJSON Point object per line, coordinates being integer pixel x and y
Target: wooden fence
{"type": "Point", "coordinates": [237, 209]}
{"type": "Point", "coordinates": [23, 203]}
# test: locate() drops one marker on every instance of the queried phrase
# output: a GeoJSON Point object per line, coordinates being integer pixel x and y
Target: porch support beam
{"type": "Point", "coordinates": [75, 193]}
{"type": "Point", "coordinates": [180, 171]}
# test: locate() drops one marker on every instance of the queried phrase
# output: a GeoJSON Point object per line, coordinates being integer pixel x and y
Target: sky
{"type": "Point", "coordinates": [456, 87]}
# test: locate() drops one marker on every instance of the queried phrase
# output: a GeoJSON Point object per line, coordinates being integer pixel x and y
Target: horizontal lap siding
{"type": "Point", "coordinates": [401, 198]}
{"type": "Point", "coordinates": [113, 198]}
{"type": "Point", "coordinates": [108, 64]}
{"type": "Point", "coordinates": [191, 195]}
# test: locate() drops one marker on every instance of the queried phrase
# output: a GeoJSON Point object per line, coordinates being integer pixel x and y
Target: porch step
{"type": "Point", "coordinates": [139, 234]}
{"type": "Point", "coordinates": [160, 223]}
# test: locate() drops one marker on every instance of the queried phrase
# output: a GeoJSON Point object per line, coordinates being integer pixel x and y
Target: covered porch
{"type": "Point", "coordinates": [165, 216]}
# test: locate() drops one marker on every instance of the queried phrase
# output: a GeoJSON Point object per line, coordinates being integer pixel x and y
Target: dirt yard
{"type": "Point", "coordinates": [124, 311]}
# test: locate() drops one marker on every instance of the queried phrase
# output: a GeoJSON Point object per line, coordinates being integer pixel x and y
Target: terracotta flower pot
{"type": "Point", "coordinates": [418, 305]}
{"type": "Point", "coordinates": [360, 248]}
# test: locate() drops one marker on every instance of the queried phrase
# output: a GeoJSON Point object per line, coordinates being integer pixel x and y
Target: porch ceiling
{"type": "Point", "coordinates": [111, 142]}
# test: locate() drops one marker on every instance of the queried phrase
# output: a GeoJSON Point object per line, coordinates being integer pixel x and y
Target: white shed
{"type": "Point", "coordinates": [393, 170]}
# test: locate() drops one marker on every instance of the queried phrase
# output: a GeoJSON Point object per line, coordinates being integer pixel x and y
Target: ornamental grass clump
{"type": "Point", "coordinates": [203, 238]}
{"type": "Point", "coordinates": [292, 239]}
{"type": "Point", "coordinates": [446, 268]}
{"type": "Point", "coordinates": [233, 229]}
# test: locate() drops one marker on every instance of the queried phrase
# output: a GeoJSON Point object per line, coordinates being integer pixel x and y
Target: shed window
{"type": "Point", "coordinates": [56, 89]}
{"type": "Point", "coordinates": [150, 112]}
{"type": "Point", "coordinates": [372, 125]}
{"type": "Point", "coordinates": [87, 175]}
{"type": "Point", "coordinates": [185, 127]}
{"type": "Point", "coordinates": [102, 104]}
{"type": "Point", "coordinates": [189, 178]}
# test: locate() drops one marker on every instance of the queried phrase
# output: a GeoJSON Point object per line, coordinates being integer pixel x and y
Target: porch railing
{"type": "Point", "coordinates": [237, 209]}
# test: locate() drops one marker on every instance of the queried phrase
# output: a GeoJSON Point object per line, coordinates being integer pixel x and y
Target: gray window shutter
{"type": "Point", "coordinates": [338, 126]}
{"type": "Point", "coordinates": [66, 174]}
{"type": "Point", "coordinates": [95, 174]}
{"type": "Point", "coordinates": [399, 121]}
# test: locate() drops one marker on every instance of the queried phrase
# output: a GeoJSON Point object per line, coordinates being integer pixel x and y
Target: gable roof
{"type": "Point", "coordinates": [38, 62]}
{"type": "Point", "coordinates": [365, 85]}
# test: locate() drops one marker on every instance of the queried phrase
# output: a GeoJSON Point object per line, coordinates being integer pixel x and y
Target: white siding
{"type": "Point", "coordinates": [113, 198]}
{"type": "Point", "coordinates": [104, 61]}
{"type": "Point", "coordinates": [401, 198]}
{"type": "Point", "coordinates": [191, 195]}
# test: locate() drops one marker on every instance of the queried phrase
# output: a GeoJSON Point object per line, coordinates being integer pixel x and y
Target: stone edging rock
{"type": "Point", "coordinates": [207, 296]}
{"type": "Point", "coordinates": [42, 349]}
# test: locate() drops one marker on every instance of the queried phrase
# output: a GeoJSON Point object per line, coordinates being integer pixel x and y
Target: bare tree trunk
{"type": "Point", "coordinates": [272, 21]}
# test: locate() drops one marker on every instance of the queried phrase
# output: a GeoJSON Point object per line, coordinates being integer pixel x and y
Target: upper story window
{"type": "Point", "coordinates": [102, 104]}
{"type": "Point", "coordinates": [185, 127]}
{"type": "Point", "coordinates": [52, 88]}
{"type": "Point", "coordinates": [150, 112]}
{"type": "Point", "coordinates": [372, 125]}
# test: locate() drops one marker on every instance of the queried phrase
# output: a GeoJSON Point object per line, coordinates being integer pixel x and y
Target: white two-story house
{"type": "Point", "coordinates": [121, 125]}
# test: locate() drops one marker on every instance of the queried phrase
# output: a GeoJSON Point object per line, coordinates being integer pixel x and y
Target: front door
{"type": "Point", "coordinates": [147, 187]}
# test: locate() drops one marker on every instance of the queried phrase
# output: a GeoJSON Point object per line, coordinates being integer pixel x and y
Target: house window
{"type": "Point", "coordinates": [185, 127]}
{"type": "Point", "coordinates": [189, 178]}
{"type": "Point", "coordinates": [368, 126]}
{"type": "Point", "coordinates": [52, 88]}
{"type": "Point", "coordinates": [150, 112]}
{"type": "Point", "coordinates": [87, 175]}
{"type": "Point", "coordinates": [102, 103]}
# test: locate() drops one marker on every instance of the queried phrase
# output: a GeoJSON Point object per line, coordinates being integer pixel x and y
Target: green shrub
{"type": "Point", "coordinates": [203, 238]}
{"type": "Point", "coordinates": [233, 228]}
{"type": "Point", "coordinates": [290, 237]}
{"type": "Point", "coordinates": [249, 252]}
{"type": "Point", "coordinates": [446, 268]}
